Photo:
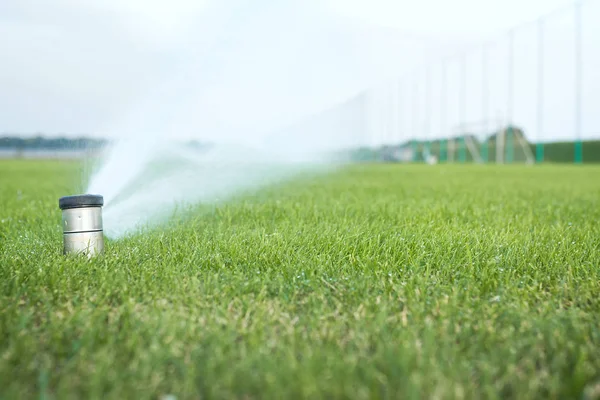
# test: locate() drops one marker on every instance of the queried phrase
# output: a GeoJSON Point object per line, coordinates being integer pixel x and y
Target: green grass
{"type": "Point", "coordinates": [382, 281]}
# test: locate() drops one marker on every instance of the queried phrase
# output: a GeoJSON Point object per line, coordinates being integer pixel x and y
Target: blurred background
{"type": "Point", "coordinates": [485, 82]}
{"type": "Point", "coordinates": [530, 95]}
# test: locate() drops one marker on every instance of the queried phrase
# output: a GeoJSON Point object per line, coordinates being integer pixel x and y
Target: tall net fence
{"type": "Point", "coordinates": [531, 95]}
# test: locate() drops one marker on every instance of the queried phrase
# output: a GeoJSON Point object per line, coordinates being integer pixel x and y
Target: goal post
{"type": "Point", "coordinates": [492, 140]}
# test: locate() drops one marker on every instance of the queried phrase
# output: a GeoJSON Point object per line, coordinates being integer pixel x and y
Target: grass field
{"type": "Point", "coordinates": [378, 281]}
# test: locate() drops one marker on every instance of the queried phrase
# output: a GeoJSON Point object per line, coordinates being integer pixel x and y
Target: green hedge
{"type": "Point", "coordinates": [558, 152]}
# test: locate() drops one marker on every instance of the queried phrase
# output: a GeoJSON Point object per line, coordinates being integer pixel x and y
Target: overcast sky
{"type": "Point", "coordinates": [228, 70]}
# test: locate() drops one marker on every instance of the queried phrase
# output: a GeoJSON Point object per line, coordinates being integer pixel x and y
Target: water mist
{"type": "Point", "coordinates": [255, 74]}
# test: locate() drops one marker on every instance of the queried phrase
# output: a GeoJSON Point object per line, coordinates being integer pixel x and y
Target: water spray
{"type": "Point", "coordinates": [82, 224]}
{"type": "Point", "coordinates": [282, 127]}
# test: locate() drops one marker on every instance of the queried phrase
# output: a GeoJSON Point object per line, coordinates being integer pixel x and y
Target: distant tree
{"type": "Point", "coordinates": [40, 142]}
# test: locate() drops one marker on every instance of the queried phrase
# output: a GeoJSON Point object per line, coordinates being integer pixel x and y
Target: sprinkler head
{"type": "Point", "coordinates": [82, 224]}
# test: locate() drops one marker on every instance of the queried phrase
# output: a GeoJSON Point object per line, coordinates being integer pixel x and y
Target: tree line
{"type": "Point", "coordinates": [45, 143]}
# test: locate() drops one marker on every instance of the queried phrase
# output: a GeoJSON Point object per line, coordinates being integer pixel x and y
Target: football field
{"type": "Point", "coordinates": [375, 281]}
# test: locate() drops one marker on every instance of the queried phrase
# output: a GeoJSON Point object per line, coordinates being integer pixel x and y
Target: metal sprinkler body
{"type": "Point", "coordinates": [82, 224]}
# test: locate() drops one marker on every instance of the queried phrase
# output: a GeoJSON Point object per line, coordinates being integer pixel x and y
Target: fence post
{"type": "Point", "coordinates": [484, 104]}
{"type": "Point", "coordinates": [401, 115]}
{"type": "Point", "coordinates": [578, 82]}
{"type": "Point", "coordinates": [462, 157]}
{"type": "Point", "coordinates": [414, 120]}
{"type": "Point", "coordinates": [509, 111]}
{"type": "Point", "coordinates": [539, 148]}
{"type": "Point", "coordinates": [443, 140]}
{"type": "Point", "coordinates": [395, 113]}
{"type": "Point", "coordinates": [427, 119]}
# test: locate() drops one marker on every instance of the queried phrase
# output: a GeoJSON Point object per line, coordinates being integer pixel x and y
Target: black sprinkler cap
{"type": "Point", "coordinates": [80, 201]}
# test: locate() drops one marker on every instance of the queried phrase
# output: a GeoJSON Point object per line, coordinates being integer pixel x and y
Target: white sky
{"type": "Point", "coordinates": [232, 70]}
